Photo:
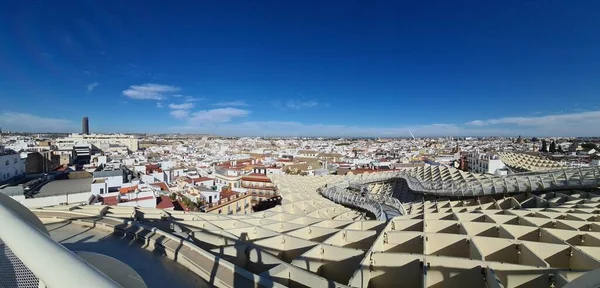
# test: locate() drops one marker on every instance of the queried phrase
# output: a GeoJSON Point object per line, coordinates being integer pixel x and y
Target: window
{"type": "Point", "coordinates": [101, 190]}
{"type": "Point", "coordinates": [7, 162]}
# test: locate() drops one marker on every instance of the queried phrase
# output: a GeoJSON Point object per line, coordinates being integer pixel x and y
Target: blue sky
{"type": "Point", "coordinates": [323, 68]}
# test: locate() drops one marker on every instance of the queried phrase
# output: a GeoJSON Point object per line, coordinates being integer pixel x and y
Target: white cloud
{"type": "Point", "coordinates": [231, 103]}
{"type": "Point", "coordinates": [183, 106]}
{"type": "Point", "coordinates": [159, 105]}
{"type": "Point", "coordinates": [570, 124]}
{"type": "Point", "coordinates": [283, 128]}
{"type": "Point", "coordinates": [150, 91]}
{"type": "Point", "coordinates": [23, 122]}
{"type": "Point", "coordinates": [295, 104]}
{"type": "Point", "coordinates": [192, 99]}
{"type": "Point", "coordinates": [476, 123]}
{"type": "Point", "coordinates": [548, 120]}
{"type": "Point", "coordinates": [180, 114]}
{"type": "Point", "coordinates": [219, 115]}
{"type": "Point", "coordinates": [90, 87]}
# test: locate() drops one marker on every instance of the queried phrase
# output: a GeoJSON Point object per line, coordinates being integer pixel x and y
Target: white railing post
{"type": "Point", "coordinates": [51, 262]}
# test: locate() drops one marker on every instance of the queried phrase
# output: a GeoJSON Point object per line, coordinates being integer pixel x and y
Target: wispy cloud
{"type": "Point", "coordinates": [192, 99]}
{"type": "Point", "coordinates": [284, 128]}
{"type": "Point", "coordinates": [572, 124]}
{"type": "Point", "coordinates": [90, 87]}
{"type": "Point", "coordinates": [181, 111]}
{"type": "Point", "coordinates": [150, 91]}
{"type": "Point", "coordinates": [182, 106]}
{"type": "Point", "coordinates": [547, 120]}
{"type": "Point", "coordinates": [220, 115]}
{"type": "Point", "coordinates": [180, 114]}
{"type": "Point", "coordinates": [297, 104]}
{"type": "Point", "coordinates": [25, 122]}
{"type": "Point", "coordinates": [159, 105]}
{"type": "Point", "coordinates": [231, 103]}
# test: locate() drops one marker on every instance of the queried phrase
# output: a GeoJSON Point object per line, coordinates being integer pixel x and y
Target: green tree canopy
{"type": "Point", "coordinates": [552, 147]}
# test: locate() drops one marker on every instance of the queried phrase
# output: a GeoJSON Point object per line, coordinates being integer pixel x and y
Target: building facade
{"type": "Point", "coordinates": [259, 184]}
{"type": "Point", "coordinates": [11, 165]}
{"type": "Point", "coordinates": [85, 126]}
{"type": "Point", "coordinates": [98, 140]}
{"type": "Point", "coordinates": [484, 163]}
{"type": "Point", "coordinates": [41, 162]}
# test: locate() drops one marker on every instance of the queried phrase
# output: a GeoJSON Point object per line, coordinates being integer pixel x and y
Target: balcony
{"type": "Point", "coordinates": [258, 187]}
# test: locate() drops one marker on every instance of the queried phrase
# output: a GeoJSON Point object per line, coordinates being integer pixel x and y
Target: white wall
{"type": "Point", "coordinates": [97, 186]}
{"type": "Point", "coordinates": [148, 203]}
{"type": "Point", "coordinates": [161, 176]}
{"type": "Point", "coordinates": [114, 181]}
{"type": "Point", "coordinates": [274, 171]}
{"type": "Point", "coordinates": [148, 179]}
{"type": "Point", "coordinates": [207, 183]}
{"type": "Point", "coordinates": [54, 200]}
{"type": "Point", "coordinates": [165, 165]}
{"type": "Point", "coordinates": [215, 196]}
{"type": "Point", "coordinates": [11, 166]}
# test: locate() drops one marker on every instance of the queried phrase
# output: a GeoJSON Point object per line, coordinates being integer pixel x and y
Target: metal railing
{"type": "Point", "coordinates": [339, 193]}
{"type": "Point", "coordinates": [32, 247]}
{"type": "Point", "coordinates": [563, 179]}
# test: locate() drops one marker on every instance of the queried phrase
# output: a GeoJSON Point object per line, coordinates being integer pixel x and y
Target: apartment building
{"type": "Point", "coordinates": [259, 184]}
{"type": "Point", "coordinates": [11, 165]}
{"type": "Point", "coordinates": [101, 141]}
{"type": "Point", "coordinates": [234, 203]}
{"type": "Point", "coordinates": [484, 163]}
{"type": "Point", "coordinates": [226, 176]}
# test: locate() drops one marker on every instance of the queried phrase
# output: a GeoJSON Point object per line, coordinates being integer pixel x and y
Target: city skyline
{"type": "Point", "coordinates": [287, 69]}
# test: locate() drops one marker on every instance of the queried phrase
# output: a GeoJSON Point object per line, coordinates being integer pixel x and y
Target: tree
{"type": "Point", "coordinates": [552, 147]}
{"type": "Point", "coordinates": [173, 196]}
{"type": "Point", "coordinates": [544, 146]}
{"type": "Point", "coordinates": [534, 139]}
{"type": "Point", "coordinates": [186, 201]}
{"type": "Point", "coordinates": [589, 146]}
{"type": "Point", "coordinates": [560, 149]}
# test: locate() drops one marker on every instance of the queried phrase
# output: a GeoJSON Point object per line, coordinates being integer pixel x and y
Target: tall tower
{"type": "Point", "coordinates": [85, 126]}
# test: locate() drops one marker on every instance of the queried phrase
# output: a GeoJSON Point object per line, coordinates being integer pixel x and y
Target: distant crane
{"type": "Point", "coordinates": [412, 134]}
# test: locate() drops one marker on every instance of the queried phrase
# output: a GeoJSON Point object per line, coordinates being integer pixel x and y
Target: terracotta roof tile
{"type": "Point", "coordinates": [164, 202]}
{"type": "Point", "coordinates": [125, 190]}
{"type": "Point", "coordinates": [202, 179]}
{"type": "Point", "coordinates": [162, 185]}
{"type": "Point", "coordinates": [112, 200]}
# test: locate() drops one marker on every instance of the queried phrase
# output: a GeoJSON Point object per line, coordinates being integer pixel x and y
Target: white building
{"type": "Point", "coordinates": [11, 164]}
{"type": "Point", "coordinates": [210, 196]}
{"type": "Point", "coordinates": [98, 140]}
{"type": "Point", "coordinates": [484, 163]}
